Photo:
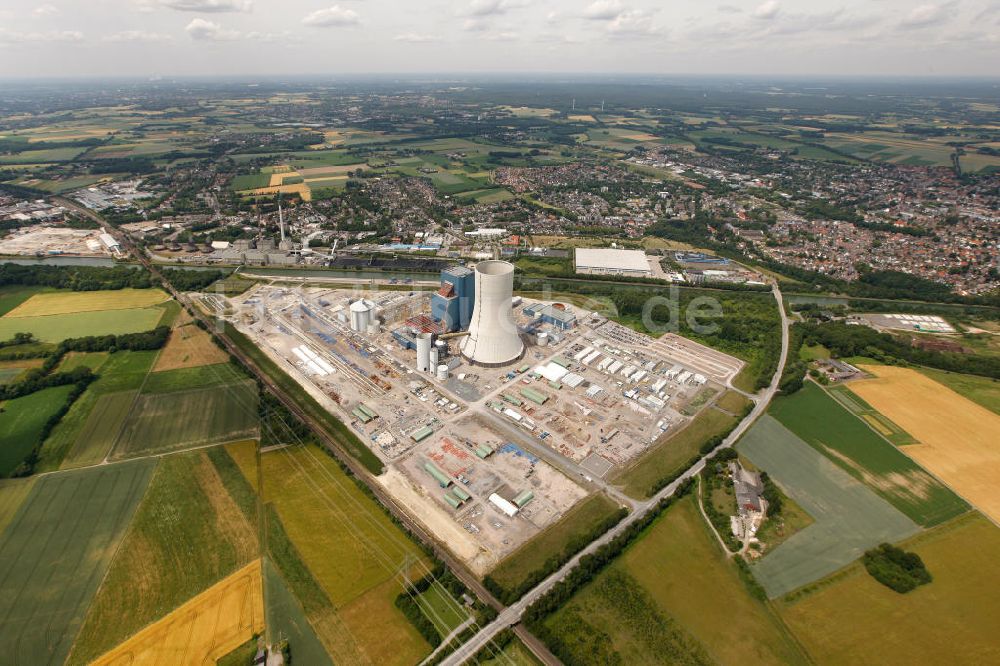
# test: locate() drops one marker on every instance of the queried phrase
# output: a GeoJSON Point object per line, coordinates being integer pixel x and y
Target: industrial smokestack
{"type": "Point", "coordinates": [281, 222]}
{"type": "Point", "coordinates": [493, 338]}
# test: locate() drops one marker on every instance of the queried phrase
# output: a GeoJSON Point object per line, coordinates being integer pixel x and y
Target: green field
{"type": "Point", "coordinates": [673, 454]}
{"type": "Point", "coordinates": [441, 609]}
{"type": "Point", "coordinates": [823, 423]}
{"type": "Point", "coordinates": [980, 390]}
{"type": "Point", "coordinates": [514, 653]}
{"type": "Point", "coordinates": [285, 617]}
{"type": "Point", "coordinates": [55, 553]}
{"type": "Point", "coordinates": [82, 438]}
{"type": "Point", "coordinates": [878, 422]}
{"type": "Point", "coordinates": [349, 553]}
{"type": "Point", "coordinates": [8, 375]}
{"type": "Point", "coordinates": [73, 360]}
{"type": "Point", "coordinates": [188, 534]}
{"type": "Point", "coordinates": [12, 494]}
{"type": "Point", "coordinates": [849, 618]}
{"type": "Point", "coordinates": [94, 439]}
{"type": "Point", "coordinates": [579, 522]}
{"type": "Point", "coordinates": [671, 598]}
{"type": "Point", "coordinates": [164, 422]}
{"type": "Point", "coordinates": [21, 423]}
{"type": "Point", "coordinates": [201, 376]}
{"type": "Point", "coordinates": [54, 328]}
{"type": "Point", "coordinates": [12, 296]}
{"type": "Point", "coordinates": [849, 517]}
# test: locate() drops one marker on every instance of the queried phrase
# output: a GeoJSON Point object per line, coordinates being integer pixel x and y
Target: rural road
{"type": "Point", "coordinates": [512, 614]}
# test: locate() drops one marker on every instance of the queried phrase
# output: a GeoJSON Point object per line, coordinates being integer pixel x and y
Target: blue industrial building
{"type": "Point", "coordinates": [452, 304]}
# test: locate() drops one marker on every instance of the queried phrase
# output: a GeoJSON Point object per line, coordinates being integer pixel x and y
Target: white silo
{"type": "Point", "coordinates": [442, 372]}
{"type": "Point", "coordinates": [435, 357]}
{"type": "Point", "coordinates": [424, 352]}
{"type": "Point", "coordinates": [493, 338]}
{"type": "Point", "coordinates": [362, 311]}
{"type": "Point", "coordinates": [542, 339]}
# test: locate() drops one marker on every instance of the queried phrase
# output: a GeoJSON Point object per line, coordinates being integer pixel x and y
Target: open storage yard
{"type": "Point", "coordinates": [508, 446]}
{"type": "Point", "coordinates": [957, 438]}
{"type": "Point", "coordinates": [55, 552]}
{"type": "Point", "coordinates": [849, 518]}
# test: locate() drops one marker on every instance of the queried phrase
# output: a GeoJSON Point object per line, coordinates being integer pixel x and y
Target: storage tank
{"type": "Point", "coordinates": [435, 357]}
{"type": "Point", "coordinates": [493, 340]}
{"type": "Point", "coordinates": [362, 312]}
{"type": "Point", "coordinates": [542, 339]}
{"type": "Point", "coordinates": [442, 372]}
{"type": "Point", "coordinates": [424, 352]}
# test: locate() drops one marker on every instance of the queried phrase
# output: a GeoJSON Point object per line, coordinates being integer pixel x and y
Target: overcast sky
{"type": "Point", "coordinates": [272, 37]}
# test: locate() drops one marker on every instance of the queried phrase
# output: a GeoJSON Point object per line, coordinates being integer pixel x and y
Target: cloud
{"type": "Point", "coordinates": [633, 22]}
{"type": "Point", "coordinates": [331, 17]}
{"type": "Point", "coordinates": [767, 10]}
{"type": "Point", "coordinates": [729, 9]}
{"type": "Point", "coordinates": [926, 15]}
{"type": "Point", "coordinates": [414, 38]}
{"type": "Point", "coordinates": [137, 36]}
{"type": "Point", "coordinates": [46, 10]}
{"type": "Point", "coordinates": [209, 6]}
{"type": "Point", "coordinates": [603, 10]}
{"type": "Point", "coordinates": [208, 31]}
{"type": "Point", "coordinates": [492, 7]}
{"type": "Point", "coordinates": [475, 25]}
{"type": "Point", "coordinates": [18, 37]}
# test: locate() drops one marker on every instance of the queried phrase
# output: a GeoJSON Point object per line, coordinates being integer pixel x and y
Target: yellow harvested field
{"type": "Point", "coordinates": [188, 347]}
{"type": "Point", "coordinates": [207, 627]}
{"type": "Point", "coordinates": [333, 137]}
{"type": "Point", "coordinates": [278, 179]}
{"type": "Point", "coordinates": [583, 118]}
{"type": "Point", "coordinates": [959, 440]}
{"type": "Point", "coordinates": [56, 303]}
{"type": "Point", "coordinates": [301, 189]}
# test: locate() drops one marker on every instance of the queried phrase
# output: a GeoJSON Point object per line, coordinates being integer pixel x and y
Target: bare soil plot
{"type": "Point", "coordinates": [188, 346]}
{"type": "Point", "coordinates": [959, 440]}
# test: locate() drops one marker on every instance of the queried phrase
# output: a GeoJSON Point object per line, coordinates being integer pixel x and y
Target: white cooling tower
{"type": "Point", "coordinates": [493, 339]}
{"type": "Point", "coordinates": [424, 352]}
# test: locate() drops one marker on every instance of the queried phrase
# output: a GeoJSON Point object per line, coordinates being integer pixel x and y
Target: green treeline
{"type": "Point", "coordinates": [44, 377]}
{"type": "Point", "coordinates": [844, 341]}
{"type": "Point", "coordinates": [183, 280]}
{"type": "Point", "coordinates": [76, 278]}
{"type": "Point", "coordinates": [895, 568]}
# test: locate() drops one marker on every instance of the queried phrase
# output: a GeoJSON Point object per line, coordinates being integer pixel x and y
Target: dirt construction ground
{"type": "Point", "coordinates": [201, 631]}
{"type": "Point", "coordinates": [959, 440]}
{"type": "Point", "coordinates": [188, 347]}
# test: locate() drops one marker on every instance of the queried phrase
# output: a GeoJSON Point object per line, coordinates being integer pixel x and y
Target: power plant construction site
{"type": "Point", "coordinates": [494, 414]}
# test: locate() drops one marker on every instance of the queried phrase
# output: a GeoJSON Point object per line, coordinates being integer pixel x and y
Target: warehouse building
{"type": "Point", "coordinates": [612, 261]}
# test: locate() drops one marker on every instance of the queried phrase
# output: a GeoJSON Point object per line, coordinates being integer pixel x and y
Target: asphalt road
{"type": "Point", "coordinates": [512, 614]}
